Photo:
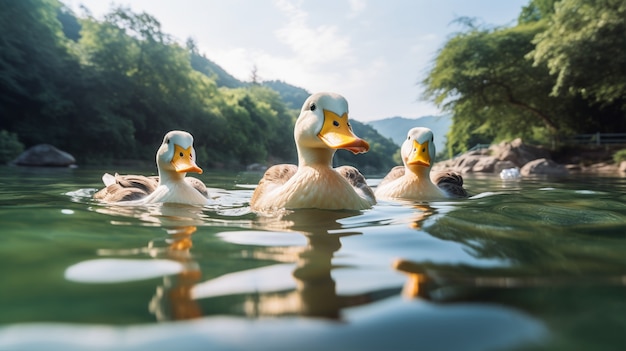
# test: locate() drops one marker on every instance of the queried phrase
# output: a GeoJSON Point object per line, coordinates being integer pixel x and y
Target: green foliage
{"type": "Point", "coordinates": [202, 64]}
{"type": "Point", "coordinates": [108, 90]}
{"type": "Point", "coordinates": [293, 97]}
{"type": "Point", "coordinates": [619, 156]}
{"type": "Point", "coordinates": [537, 10]}
{"type": "Point", "coordinates": [502, 83]}
{"type": "Point", "coordinates": [10, 146]}
{"type": "Point", "coordinates": [584, 46]}
{"type": "Point", "coordinates": [482, 77]}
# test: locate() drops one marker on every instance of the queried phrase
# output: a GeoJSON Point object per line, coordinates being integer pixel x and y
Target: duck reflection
{"type": "Point", "coordinates": [160, 214]}
{"type": "Point", "coordinates": [422, 213]}
{"type": "Point", "coordinates": [312, 289]}
{"type": "Point", "coordinates": [172, 300]}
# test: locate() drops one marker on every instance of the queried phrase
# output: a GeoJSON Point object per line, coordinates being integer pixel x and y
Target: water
{"type": "Point", "coordinates": [535, 264]}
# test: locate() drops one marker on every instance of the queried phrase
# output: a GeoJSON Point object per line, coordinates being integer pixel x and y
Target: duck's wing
{"type": "Point", "coordinates": [126, 187]}
{"type": "Point", "coordinates": [274, 176]}
{"type": "Point", "coordinates": [393, 174]}
{"type": "Point", "coordinates": [198, 185]}
{"type": "Point", "coordinates": [451, 183]}
{"type": "Point", "coordinates": [357, 180]}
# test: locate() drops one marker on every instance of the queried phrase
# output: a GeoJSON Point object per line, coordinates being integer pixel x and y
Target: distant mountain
{"type": "Point", "coordinates": [396, 128]}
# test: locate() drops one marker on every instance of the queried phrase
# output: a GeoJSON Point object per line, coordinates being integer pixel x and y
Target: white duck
{"type": "Point", "coordinates": [320, 130]}
{"type": "Point", "coordinates": [175, 158]}
{"type": "Point", "coordinates": [413, 181]}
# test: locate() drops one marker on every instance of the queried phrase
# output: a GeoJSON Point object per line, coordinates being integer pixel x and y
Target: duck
{"type": "Point", "coordinates": [320, 130]}
{"type": "Point", "coordinates": [174, 158]}
{"type": "Point", "coordinates": [412, 181]}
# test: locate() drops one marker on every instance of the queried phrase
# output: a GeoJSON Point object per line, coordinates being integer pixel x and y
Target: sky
{"type": "Point", "coordinates": [373, 52]}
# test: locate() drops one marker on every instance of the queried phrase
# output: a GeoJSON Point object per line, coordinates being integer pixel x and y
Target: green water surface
{"type": "Point", "coordinates": [534, 264]}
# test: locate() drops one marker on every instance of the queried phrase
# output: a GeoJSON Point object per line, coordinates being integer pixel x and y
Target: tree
{"type": "Point", "coordinates": [584, 46]}
{"type": "Point", "coordinates": [35, 66]}
{"type": "Point", "coordinates": [537, 10]}
{"type": "Point", "coordinates": [107, 90]}
{"type": "Point", "coordinates": [483, 78]}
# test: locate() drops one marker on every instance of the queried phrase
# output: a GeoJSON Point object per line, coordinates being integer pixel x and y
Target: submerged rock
{"type": "Point", "coordinates": [45, 155]}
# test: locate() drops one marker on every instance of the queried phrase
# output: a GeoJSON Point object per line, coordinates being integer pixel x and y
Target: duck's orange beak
{"type": "Point", "coordinates": [336, 133]}
{"type": "Point", "coordinates": [420, 155]}
{"type": "Point", "coordinates": [183, 160]}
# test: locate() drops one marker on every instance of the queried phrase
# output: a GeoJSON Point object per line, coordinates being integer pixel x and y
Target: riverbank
{"type": "Point", "coordinates": [536, 160]}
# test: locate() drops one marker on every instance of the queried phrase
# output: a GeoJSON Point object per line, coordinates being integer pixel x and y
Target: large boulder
{"type": "Point", "coordinates": [518, 153]}
{"type": "Point", "coordinates": [45, 155]}
{"type": "Point", "coordinates": [543, 166]}
{"type": "Point", "coordinates": [466, 163]}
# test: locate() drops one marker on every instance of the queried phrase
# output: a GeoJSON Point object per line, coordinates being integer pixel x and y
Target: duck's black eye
{"type": "Point", "coordinates": [336, 124]}
{"type": "Point", "coordinates": [313, 107]}
{"type": "Point", "coordinates": [167, 141]}
{"type": "Point", "coordinates": [181, 154]}
{"type": "Point", "coordinates": [408, 137]}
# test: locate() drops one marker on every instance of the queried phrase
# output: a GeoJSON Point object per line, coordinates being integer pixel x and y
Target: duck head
{"type": "Point", "coordinates": [418, 150]}
{"type": "Point", "coordinates": [176, 154]}
{"type": "Point", "coordinates": [323, 124]}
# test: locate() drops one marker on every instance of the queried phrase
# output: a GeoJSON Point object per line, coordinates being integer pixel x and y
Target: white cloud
{"type": "Point", "coordinates": [356, 7]}
{"type": "Point", "coordinates": [372, 52]}
{"type": "Point", "coordinates": [310, 46]}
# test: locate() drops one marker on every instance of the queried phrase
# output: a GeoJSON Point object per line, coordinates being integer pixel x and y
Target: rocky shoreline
{"type": "Point", "coordinates": [530, 160]}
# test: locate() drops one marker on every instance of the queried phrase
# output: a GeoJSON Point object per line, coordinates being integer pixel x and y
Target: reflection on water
{"type": "Point", "coordinates": [495, 271]}
{"type": "Point", "coordinates": [314, 292]}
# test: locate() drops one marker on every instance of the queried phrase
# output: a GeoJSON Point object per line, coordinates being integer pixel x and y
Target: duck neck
{"type": "Point", "coordinates": [421, 174]}
{"type": "Point", "coordinates": [170, 176]}
{"type": "Point", "coordinates": [311, 157]}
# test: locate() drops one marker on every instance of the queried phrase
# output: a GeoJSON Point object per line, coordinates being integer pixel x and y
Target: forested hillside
{"type": "Point", "coordinates": [108, 90]}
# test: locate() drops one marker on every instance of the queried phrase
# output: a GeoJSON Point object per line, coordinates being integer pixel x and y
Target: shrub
{"type": "Point", "coordinates": [10, 146]}
{"type": "Point", "coordinates": [619, 156]}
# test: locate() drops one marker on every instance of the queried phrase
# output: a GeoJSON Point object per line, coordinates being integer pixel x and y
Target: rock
{"type": "Point", "coordinates": [602, 167]}
{"type": "Point", "coordinates": [485, 164]}
{"type": "Point", "coordinates": [622, 166]}
{"type": "Point", "coordinates": [518, 152]}
{"type": "Point", "coordinates": [572, 167]}
{"type": "Point", "coordinates": [543, 166]}
{"type": "Point", "coordinates": [464, 163]}
{"type": "Point", "coordinates": [45, 155]}
{"type": "Point", "coordinates": [256, 167]}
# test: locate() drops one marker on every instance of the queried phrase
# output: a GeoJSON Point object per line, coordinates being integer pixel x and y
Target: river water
{"type": "Point", "coordinates": [530, 264]}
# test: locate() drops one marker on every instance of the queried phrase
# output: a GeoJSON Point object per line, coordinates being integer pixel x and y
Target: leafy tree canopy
{"type": "Point", "coordinates": [542, 79]}
{"type": "Point", "coordinates": [107, 90]}
{"type": "Point", "coordinates": [584, 46]}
